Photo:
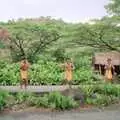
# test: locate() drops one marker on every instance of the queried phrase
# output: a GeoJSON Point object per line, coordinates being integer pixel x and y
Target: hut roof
{"type": "Point", "coordinates": [101, 58]}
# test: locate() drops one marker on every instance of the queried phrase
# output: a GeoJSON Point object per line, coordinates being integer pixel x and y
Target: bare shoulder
{"type": "Point", "coordinates": [21, 62]}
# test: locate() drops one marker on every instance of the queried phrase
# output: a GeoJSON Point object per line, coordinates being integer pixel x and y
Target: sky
{"type": "Point", "coordinates": [68, 10]}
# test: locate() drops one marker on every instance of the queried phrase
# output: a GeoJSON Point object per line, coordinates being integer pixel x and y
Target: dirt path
{"type": "Point", "coordinates": [110, 113]}
{"type": "Point", "coordinates": [104, 115]}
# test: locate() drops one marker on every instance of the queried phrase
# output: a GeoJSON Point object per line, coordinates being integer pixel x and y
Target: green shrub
{"type": "Point", "coordinates": [44, 72]}
{"type": "Point", "coordinates": [22, 97]}
{"type": "Point", "coordinates": [31, 100]}
{"type": "Point", "coordinates": [58, 101]}
{"type": "Point", "coordinates": [3, 64]}
{"type": "Point", "coordinates": [9, 75]}
{"type": "Point", "coordinates": [110, 89]}
{"type": "Point", "coordinates": [59, 55]}
{"type": "Point", "coordinates": [101, 100]}
{"type": "Point", "coordinates": [42, 101]}
{"type": "Point", "coordinates": [103, 94]}
{"type": "Point", "coordinates": [82, 76]}
{"type": "Point", "coordinates": [53, 100]}
{"type": "Point", "coordinates": [3, 99]}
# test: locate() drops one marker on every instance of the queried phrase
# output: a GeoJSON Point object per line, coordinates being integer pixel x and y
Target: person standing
{"type": "Point", "coordinates": [109, 70]}
{"type": "Point", "coordinates": [68, 66]}
{"type": "Point", "coordinates": [24, 66]}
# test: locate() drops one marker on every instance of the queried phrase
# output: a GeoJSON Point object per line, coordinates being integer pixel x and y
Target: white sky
{"type": "Point", "coordinates": [68, 10]}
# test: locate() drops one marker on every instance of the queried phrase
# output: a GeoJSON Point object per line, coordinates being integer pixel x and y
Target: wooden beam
{"type": "Point", "coordinates": [100, 71]}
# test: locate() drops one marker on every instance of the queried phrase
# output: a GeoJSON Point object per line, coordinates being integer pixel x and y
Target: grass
{"type": "Point", "coordinates": [97, 95]}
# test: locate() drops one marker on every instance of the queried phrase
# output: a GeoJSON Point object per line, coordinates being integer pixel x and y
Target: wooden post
{"type": "Point", "coordinates": [100, 69]}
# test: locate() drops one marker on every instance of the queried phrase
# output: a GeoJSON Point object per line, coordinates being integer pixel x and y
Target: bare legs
{"type": "Point", "coordinates": [23, 82]}
{"type": "Point", "coordinates": [67, 82]}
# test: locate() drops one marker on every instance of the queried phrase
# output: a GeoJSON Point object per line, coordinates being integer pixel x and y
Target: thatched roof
{"type": "Point", "coordinates": [101, 58]}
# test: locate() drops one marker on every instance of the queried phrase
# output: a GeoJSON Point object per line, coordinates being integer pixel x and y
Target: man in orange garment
{"type": "Point", "coordinates": [108, 73]}
{"type": "Point", "coordinates": [68, 71]}
{"type": "Point", "coordinates": [24, 66]}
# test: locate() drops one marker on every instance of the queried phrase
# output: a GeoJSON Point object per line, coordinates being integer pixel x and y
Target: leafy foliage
{"type": "Point", "coordinates": [3, 99]}
{"type": "Point", "coordinates": [53, 100]}
{"type": "Point", "coordinates": [113, 7]}
{"type": "Point", "coordinates": [58, 101]}
{"type": "Point", "coordinates": [22, 44]}
{"type": "Point", "coordinates": [102, 95]}
{"type": "Point", "coordinates": [96, 35]}
{"type": "Point", "coordinates": [99, 95]}
{"type": "Point", "coordinates": [60, 55]}
{"type": "Point", "coordinates": [9, 74]}
{"type": "Point", "coordinates": [38, 40]}
{"type": "Point", "coordinates": [22, 97]}
{"type": "Point", "coordinates": [45, 72]}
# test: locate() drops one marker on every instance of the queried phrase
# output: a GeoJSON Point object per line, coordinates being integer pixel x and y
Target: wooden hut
{"type": "Point", "coordinates": [100, 60]}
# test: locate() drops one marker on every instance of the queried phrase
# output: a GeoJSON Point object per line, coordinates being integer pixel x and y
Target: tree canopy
{"type": "Point", "coordinates": [30, 37]}
{"type": "Point", "coordinates": [100, 35]}
{"type": "Point", "coordinates": [113, 7]}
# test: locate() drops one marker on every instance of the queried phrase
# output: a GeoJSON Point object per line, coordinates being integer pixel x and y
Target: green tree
{"type": "Point", "coordinates": [101, 35]}
{"type": "Point", "coordinates": [113, 7]}
{"type": "Point", "coordinates": [30, 44]}
{"type": "Point", "coordinates": [60, 55]}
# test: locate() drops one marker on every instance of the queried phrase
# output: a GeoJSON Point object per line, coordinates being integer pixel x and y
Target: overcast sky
{"type": "Point", "coordinates": [68, 10]}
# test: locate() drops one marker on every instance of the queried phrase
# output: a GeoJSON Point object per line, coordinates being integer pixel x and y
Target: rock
{"type": "Point", "coordinates": [76, 93]}
{"type": "Point", "coordinates": [94, 96]}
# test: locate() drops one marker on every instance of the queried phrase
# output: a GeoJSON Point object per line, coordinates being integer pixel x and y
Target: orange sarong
{"type": "Point", "coordinates": [68, 75]}
{"type": "Point", "coordinates": [24, 74]}
{"type": "Point", "coordinates": [24, 71]}
{"type": "Point", "coordinates": [108, 74]}
{"type": "Point", "coordinates": [68, 71]}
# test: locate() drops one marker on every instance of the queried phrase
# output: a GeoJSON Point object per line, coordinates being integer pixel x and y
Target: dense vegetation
{"type": "Point", "coordinates": [96, 95]}
{"type": "Point", "coordinates": [45, 63]}
{"type": "Point", "coordinates": [46, 43]}
{"type": "Point", "coordinates": [47, 72]}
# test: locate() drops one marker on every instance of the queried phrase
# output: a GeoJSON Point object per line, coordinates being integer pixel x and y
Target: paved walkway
{"type": "Point", "coordinates": [35, 89]}
{"type": "Point", "coordinates": [104, 115]}
{"type": "Point", "coordinates": [42, 88]}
